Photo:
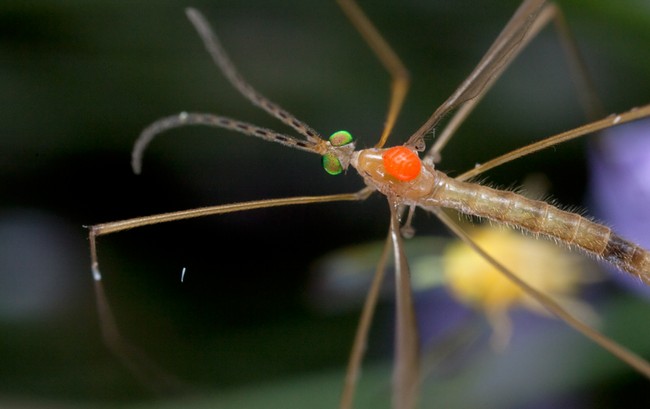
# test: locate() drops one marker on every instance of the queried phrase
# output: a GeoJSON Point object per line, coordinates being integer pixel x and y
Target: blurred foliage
{"type": "Point", "coordinates": [81, 79]}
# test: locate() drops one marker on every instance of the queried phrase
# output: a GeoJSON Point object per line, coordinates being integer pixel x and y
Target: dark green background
{"type": "Point", "coordinates": [80, 79]}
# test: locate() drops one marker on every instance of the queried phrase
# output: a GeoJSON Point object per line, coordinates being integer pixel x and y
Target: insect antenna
{"type": "Point", "coordinates": [313, 143]}
{"type": "Point", "coordinates": [221, 59]}
{"type": "Point", "coordinates": [192, 118]}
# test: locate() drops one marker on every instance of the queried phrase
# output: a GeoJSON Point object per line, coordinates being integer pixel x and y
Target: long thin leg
{"type": "Point", "coordinates": [589, 98]}
{"type": "Point", "coordinates": [406, 376]}
{"type": "Point", "coordinates": [614, 348]}
{"type": "Point", "coordinates": [136, 361]}
{"type": "Point", "coordinates": [114, 227]}
{"type": "Point", "coordinates": [361, 337]}
{"type": "Point", "coordinates": [406, 373]}
{"type": "Point", "coordinates": [147, 372]}
{"type": "Point", "coordinates": [616, 119]}
{"type": "Point", "coordinates": [389, 59]}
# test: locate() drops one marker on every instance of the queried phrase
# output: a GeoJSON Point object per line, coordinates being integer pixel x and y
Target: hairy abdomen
{"type": "Point", "coordinates": [540, 217]}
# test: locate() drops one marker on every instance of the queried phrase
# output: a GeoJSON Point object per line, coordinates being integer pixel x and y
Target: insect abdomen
{"type": "Point", "coordinates": [540, 217]}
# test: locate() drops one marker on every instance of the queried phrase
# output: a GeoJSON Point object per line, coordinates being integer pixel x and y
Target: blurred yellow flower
{"type": "Point", "coordinates": [546, 267]}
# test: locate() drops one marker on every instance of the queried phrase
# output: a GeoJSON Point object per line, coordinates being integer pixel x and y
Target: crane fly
{"type": "Point", "coordinates": [407, 176]}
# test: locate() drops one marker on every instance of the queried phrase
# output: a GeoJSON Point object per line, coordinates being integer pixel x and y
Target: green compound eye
{"type": "Point", "coordinates": [331, 163]}
{"type": "Point", "coordinates": [340, 138]}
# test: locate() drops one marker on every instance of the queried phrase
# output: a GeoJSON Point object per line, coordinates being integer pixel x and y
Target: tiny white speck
{"type": "Point", "coordinates": [97, 276]}
{"type": "Point", "coordinates": [616, 120]}
{"type": "Point", "coordinates": [182, 116]}
{"type": "Point", "coordinates": [183, 274]}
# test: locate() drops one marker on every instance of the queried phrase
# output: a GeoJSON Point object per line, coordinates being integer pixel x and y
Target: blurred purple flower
{"type": "Point", "coordinates": [619, 189]}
